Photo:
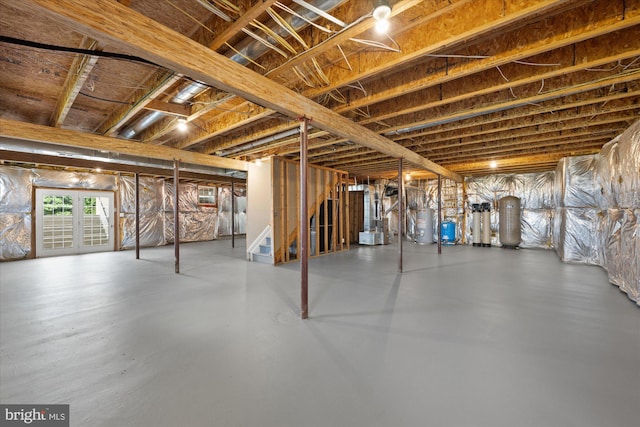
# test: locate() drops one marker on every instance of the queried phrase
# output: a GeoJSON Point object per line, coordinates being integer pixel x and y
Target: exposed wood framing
{"type": "Point", "coordinates": [30, 132]}
{"type": "Point", "coordinates": [159, 44]}
{"type": "Point", "coordinates": [76, 77]}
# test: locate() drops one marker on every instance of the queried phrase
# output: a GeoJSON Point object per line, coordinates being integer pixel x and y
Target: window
{"type": "Point", "coordinates": [207, 195]}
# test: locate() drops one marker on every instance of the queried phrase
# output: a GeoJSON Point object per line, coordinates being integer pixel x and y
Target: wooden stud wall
{"type": "Point", "coordinates": [325, 185]}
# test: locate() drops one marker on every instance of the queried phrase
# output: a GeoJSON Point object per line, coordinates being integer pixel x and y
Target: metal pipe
{"type": "Point", "coordinates": [304, 221]}
{"type": "Point", "coordinates": [400, 213]}
{"type": "Point", "coordinates": [176, 212]}
{"type": "Point", "coordinates": [259, 142]}
{"type": "Point", "coordinates": [137, 216]}
{"type": "Point", "coordinates": [233, 216]}
{"type": "Point", "coordinates": [439, 214]}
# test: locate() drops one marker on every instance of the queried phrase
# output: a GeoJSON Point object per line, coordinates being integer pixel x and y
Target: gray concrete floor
{"type": "Point", "coordinates": [475, 337]}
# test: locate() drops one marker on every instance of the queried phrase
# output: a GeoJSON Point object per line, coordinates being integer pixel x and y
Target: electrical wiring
{"type": "Point", "coordinates": [102, 54]}
{"type": "Point", "coordinates": [297, 15]}
{"type": "Point", "coordinates": [211, 8]}
{"type": "Point", "coordinates": [105, 99]}
{"type": "Point", "coordinates": [264, 42]}
{"type": "Point", "coordinates": [380, 45]}
{"type": "Point", "coordinates": [287, 27]}
{"type": "Point", "coordinates": [244, 56]}
{"type": "Point", "coordinates": [275, 36]}
{"type": "Point", "coordinates": [194, 19]}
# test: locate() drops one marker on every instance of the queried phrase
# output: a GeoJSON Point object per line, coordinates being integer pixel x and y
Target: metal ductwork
{"type": "Point", "coordinates": [184, 94]}
{"type": "Point", "coordinates": [38, 148]}
{"type": "Point", "coordinates": [248, 48]}
{"type": "Point", "coordinates": [251, 48]}
{"type": "Point", "coordinates": [259, 142]}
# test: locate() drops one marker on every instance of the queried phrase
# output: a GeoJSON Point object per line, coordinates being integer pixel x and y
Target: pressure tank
{"type": "Point", "coordinates": [509, 216]}
{"type": "Point", "coordinates": [486, 224]}
{"type": "Point", "coordinates": [477, 233]}
{"type": "Point", "coordinates": [424, 226]}
{"type": "Point", "coordinates": [448, 234]}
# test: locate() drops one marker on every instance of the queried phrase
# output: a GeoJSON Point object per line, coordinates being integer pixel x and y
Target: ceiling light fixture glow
{"type": "Point", "coordinates": [381, 13]}
{"type": "Point", "coordinates": [182, 125]}
{"type": "Point", "coordinates": [382, 26]}
{"type": "Point", "coordinates": [493, 164]}
{"type": "Point", "coordinates": [381, 10]}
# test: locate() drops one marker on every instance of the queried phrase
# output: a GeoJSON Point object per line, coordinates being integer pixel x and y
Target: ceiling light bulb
{"type": "Point", "coordinates": [407, 177]}
{"type": "Point", "coordinates": [382, 26]}
{"type": "Point", "coordinates": [381, 10]}
{"type": "Point", "coordinates": [182, 125]}
{"type": "Point", "coordinates": [493, 164]}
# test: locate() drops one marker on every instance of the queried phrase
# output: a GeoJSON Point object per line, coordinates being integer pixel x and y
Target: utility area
{"type": "Point", "coordinates": [320, 213]}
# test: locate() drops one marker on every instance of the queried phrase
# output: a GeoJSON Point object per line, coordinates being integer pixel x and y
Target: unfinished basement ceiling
{"type": "Point", "coordinates": [460, 82]}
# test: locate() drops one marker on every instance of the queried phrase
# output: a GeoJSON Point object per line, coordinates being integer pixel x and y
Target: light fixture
{"type": "Point", "coordinates": [381, 10]}
{"type": "Point", "coordinates": [381, 13]}
{"type": "Point", "coordinates": [407, 177]}
{"type": "Point", "coordinates": [382, 26]}
{"type": "Point", "coordinates": [493, 164]}
{"type": "Point", "coordinates": [182, 125]}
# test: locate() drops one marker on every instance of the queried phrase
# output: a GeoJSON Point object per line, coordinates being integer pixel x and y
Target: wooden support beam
{"type": "Point", "coordinates": [178, 110]}
{"type": "Point", "coordinates": [244, 20]}
{"type": "Point", "coordinates": [146, 38]}
{"type": "Point", "coordinates": [76, 77]}
{"type": "Point", "coordinates": [136, 102]}
{"type": "Point", "coordinates": [68, 138]}
{"type": "Point", "coordinates": [344, 36]}
{"type": "Point", "coordinates": [509, 48]}
{"type": "Point", "coordinates": [446, 31]}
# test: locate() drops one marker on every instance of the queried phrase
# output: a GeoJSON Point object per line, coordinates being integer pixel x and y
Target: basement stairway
{"type": "Point", "coordinates": [262, 249]}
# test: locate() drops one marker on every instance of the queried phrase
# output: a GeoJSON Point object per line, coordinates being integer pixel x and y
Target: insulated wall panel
{"type": "Point", "coordinates": [536, 226]}
{"type": "Point", "coordinates": [575, 235]}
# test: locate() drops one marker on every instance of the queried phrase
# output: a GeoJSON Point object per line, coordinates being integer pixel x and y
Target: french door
{"type": "Point", "coordinates": [73, 222]}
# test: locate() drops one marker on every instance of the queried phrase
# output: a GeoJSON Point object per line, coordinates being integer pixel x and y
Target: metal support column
{"type": "Point", "coordinates": [400, 213]}
{"type": "Point", "coordinates": [137, 216]}
{"type": "Point", "coordinates": [439, 214]}
{"type": "Point", "coordinates": [304, 220]}
{"type": "Point", "coordinates": [176, 213]}
{"type": "Point", "coordinates": [233, 215]}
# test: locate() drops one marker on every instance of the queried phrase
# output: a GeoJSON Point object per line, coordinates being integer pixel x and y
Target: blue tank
{"type": "Point", "coordinates": [448, 235]}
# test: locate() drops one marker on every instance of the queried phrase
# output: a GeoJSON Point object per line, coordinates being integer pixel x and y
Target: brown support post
{"type": "Point", "coordinates": [137, 216]}
{"type": "Point", "coordinates": [439, 214]}
{"type": "Point", "coordinates": [233, 215]}
{"type": "Point", "coordinates": [400, 213]}
{"type": "Point", "coordinates": [176, 212]}
{"type": "Point", "coordinates": [304, 220]}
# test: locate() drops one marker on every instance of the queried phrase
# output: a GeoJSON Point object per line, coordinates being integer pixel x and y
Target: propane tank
{"type": "Point", "coordinates": [477, 234]}
{"type": "Point", "coordinates": [486, 224]}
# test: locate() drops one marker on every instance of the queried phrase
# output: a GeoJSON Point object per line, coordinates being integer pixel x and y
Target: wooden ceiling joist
{"type": "Point", "coordinates": [76, 77]}
{"type": "Point", "coordinates": [154, 42]}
